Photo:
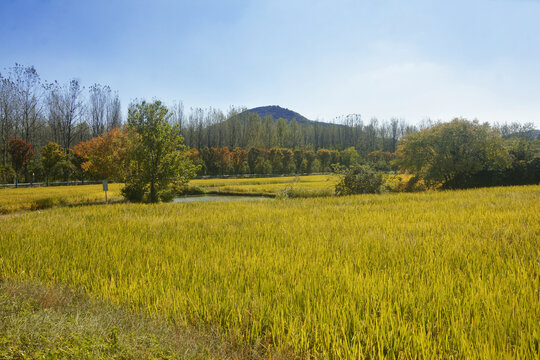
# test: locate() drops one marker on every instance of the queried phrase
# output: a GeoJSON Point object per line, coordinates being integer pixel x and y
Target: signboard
{"type": "Point", "coordinates": [105, 188]}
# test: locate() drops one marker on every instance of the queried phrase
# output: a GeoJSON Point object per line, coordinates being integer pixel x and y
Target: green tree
{"type": "Point", "coordinates": [157, 156]}
{"type": "Point", "coordinates": [296, 137]}
{"type": "Point", "coordinates": [51, 155]}
{"type": "Point", "coordinates": [349, 157]}
{"type": "Point", "coordinates": [276, 158]}
{"type": "Point", "coordinates": [450, 153]}
{"type": "Point", "coordinates": [269, 132]}
{"type": "Point", "coordinates": [255, 159]}
{"type": "Point", "coordinates": [334, 154]}
{"type": "Point", "coordinates": [309, 156]}
{"type": "Point", "coordinates": [288, 161]}
{"type": "Point", "coordinates": [324, 157]}
{"type": "Point", "coordinates": [210, 157]}
{"type": "Point", "coordinates": [298, 159]}
{"type": "Point", "coordinates": [282, 133]}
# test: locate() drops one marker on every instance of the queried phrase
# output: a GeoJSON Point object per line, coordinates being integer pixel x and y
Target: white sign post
{"type": "Point", "coordinates": [105, 188]}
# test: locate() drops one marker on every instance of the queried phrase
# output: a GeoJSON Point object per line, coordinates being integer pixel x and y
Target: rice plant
{"type": "Point", "coordinates": [434, 274]}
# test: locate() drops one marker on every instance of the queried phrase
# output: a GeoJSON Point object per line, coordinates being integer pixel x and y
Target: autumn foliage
{"type": "Point", "coordinates": [51, 155]}
{"type": "Point", "coordinates": [104, 156]}
{"type": "Point", "coordinates": [20, 152]}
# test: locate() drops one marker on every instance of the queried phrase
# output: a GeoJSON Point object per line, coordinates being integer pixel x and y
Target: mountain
{"type": "Point", "coordinates": [278, 112]}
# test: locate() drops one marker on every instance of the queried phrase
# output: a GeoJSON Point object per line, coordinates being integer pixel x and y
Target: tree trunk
{"type": "Point", "coordinates": [153, 195]}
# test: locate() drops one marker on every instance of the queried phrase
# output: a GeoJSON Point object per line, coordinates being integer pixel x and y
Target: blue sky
{"type": "Point", "coordinates": [408, 59]}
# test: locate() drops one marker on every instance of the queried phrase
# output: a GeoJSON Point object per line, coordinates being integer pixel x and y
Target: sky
{"type": "Point", "coordinates": [478, 59]}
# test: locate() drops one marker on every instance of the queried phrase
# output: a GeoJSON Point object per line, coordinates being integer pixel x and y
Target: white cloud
{"type": "Point", "coordinates": [396, 82]}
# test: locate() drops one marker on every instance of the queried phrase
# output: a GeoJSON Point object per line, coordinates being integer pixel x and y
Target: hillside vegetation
{"type": "Point", "coordinates": [277, 112]}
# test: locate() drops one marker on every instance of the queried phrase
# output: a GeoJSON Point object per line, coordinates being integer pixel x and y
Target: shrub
{"type": "Point", "coordinates": [133, 192]}
{"type": "Point", "coordinates": [289, 193]}
{"type": "Point", "coordinates": [186, 189]}
{"type": "Point", "coordinates": [167, 195]}
{"type": "Point", "coordinates": [394, 183]}
{"type": "Point", "coordinates": [359, 179]}
{"type": "Point", "coordinates": [415, 184]}
{"type": "Point", "coordinates": [42, 204]}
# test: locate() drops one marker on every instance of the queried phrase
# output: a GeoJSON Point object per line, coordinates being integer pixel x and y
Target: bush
{"type": "Point", "coordinates": [415, 184]}
{"type": "Point", "coordinates": [133, 192]}
{"type": "Point", "coordinates": [167, 195]}
{"type": "Point", "coordinates": [360, 179]}
{"type": "Point", "coordinates": [186, 189]}
{"type": "Point", "coordinates": [290, 193]}
{"type": "Point", "coordinates": [42, 204]}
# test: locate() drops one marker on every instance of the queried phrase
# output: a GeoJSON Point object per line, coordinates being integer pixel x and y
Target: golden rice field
{"type": "Point", "coordinates": [262, 181]}
{"type": "Point", "coordinates": [452, 274]}
{"type": "Point", "coordinates": [307, 185]}
{"type": "Point", "coordinates": [22, 199]}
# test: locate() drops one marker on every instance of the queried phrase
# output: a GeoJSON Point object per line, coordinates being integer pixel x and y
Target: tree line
{"type": "Point", "coordinates": [48, 131]}
{"type": "Point", "coordinates": [38, 112]}
{"type": "Point", "coordinates": [223, 161]}
{"type": "Point", "coordinates": [241, 128]}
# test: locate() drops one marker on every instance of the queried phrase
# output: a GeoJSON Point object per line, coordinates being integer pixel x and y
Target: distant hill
{"type": "Point", "coordinates": [278, 112]}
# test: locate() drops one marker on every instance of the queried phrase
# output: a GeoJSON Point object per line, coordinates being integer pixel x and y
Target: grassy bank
{"type": "Point", "coordinates": [53, 322]}
{"type": "Point", "coordinates": [321, 184]}
{"type": "Point", "coordinates": [27, 199]}
{"type": "Point", "coordinates": [37, 198]}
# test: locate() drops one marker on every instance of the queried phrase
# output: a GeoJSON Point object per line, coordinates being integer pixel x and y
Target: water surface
{"type": "Point", "coordinates": [199, 198]}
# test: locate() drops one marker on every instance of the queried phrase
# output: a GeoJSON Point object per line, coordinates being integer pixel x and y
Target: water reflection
{"type": "Point", "coordinates": [199, 198]}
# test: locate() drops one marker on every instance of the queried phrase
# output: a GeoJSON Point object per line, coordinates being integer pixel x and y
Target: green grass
{"type": "Point", "coordinates": [52, 322]}
{"type": "Point", "coordinates": [435, 274]}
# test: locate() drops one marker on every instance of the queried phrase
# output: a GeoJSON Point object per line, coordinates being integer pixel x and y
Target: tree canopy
{"type": "Point", "coordinates": [20, 152]}
{"type": "Point", "coordinates": [104, 156]}
{"type": "Point", "coordinates": [157, 157]}
{"type": "Point", "coordinates": [51, 155]}
{"type": "Point", "coordinates": [448, 153]}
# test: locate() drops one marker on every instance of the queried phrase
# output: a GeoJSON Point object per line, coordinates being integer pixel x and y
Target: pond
{"type": "Point", "coordinates": [204, 198]}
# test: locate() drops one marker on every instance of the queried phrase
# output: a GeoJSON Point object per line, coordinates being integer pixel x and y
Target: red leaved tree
{"type": "Point", "coordinates": [225, 159]}
{"type": "Point", "coordinates": [239, 156]}
{"type": "Point", "coordinates": [20, 152]}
